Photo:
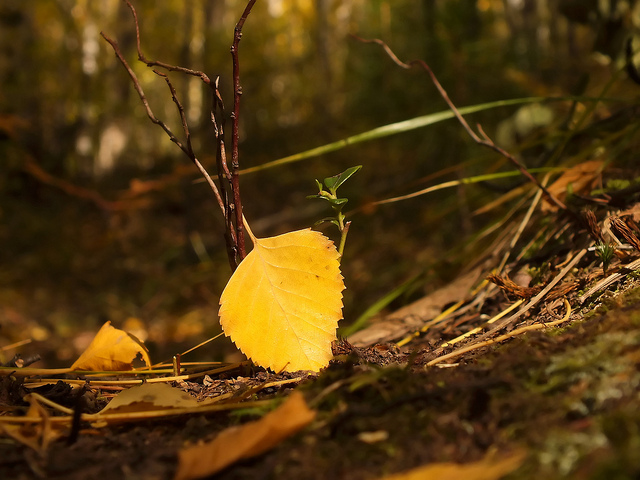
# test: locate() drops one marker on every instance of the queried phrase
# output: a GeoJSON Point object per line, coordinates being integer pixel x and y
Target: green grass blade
{"type": "Point", "coordinates": [404, 126]}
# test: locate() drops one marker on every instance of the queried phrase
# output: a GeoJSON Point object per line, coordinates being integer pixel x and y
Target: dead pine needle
{"type": "Point", "coordinates": [518, 331]}
{"type": "Point", "coordinates": [190, 350]}
{"type": "Point", "coordinates": [472, 332]}
{"type": "Point", "coordinates": [443, 316]}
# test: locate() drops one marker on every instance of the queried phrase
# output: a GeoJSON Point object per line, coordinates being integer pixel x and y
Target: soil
{"type": "Point", "coordinates": [568, 396]}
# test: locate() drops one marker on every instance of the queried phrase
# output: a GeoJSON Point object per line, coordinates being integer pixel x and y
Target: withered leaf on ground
{"type": "Point", "coordinates": [580, 178]}
{"type": "Point", "coordinates": [111, 349]}
{"type": "Point", "coordinates": [150, 396]}
{"type": "Point", "coordinates": [37, 435]}
{"type": "Point", "coordinates": [489, 468]}
{"type": "Point", "coordinates": [248, 440]}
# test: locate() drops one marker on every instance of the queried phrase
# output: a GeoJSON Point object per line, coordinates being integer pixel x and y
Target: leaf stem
{"type": "Point", "coordinates": [249, 232]}
{"type": "Point", "coordinates": [343, 236]}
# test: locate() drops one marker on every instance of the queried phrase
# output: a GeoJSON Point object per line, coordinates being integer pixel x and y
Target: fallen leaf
{"type": "Point", "coordinates": [489, 468]}
{"type": "Point", "coordinates": [411, 317]}
{"type": "Point", "coordinates": [282, 304]}
{"type": "Point", "coordinates": [580, 178]}
{"type": "Point", "coordinates": [150, 396]}
{"type": "Point", "coordinates": [248, 440]}
{"type": "Point", "coordinates": [37, 435]}
{"type": "Point", "coordinates": [111, 349]}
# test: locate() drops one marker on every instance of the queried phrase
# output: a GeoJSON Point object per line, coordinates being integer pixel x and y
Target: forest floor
{"type": "Point", "coordinates": [530, 378]}
{"type": "Point", "coordinates": [559, 402]}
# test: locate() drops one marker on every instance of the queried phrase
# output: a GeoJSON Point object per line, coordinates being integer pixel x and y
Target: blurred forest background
{"type": "Point", "coordinates": [100, 217]}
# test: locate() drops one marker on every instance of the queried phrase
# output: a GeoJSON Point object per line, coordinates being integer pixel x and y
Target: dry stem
{"type": "Point", "coordinates": [231, 207]}
{"type": "Point", "coordinates": [482, 139]}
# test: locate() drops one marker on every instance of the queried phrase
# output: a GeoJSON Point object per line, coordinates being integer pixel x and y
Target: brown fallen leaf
{"type": "Point", "coordinates": [111, 349]}
{"type": "Point", "coordinates": [489, 468]}
{"type": "Point", "coordinates": [511, 288]}
{"type": "Point", "coordinates": [246, 441]}
{"type": "Point", "coordinates": [581, 178]}
{"type": "Point", "coordinates": [150, 396]}
{"type": "Point", "coordinates": [412, 317]}
{"type": "Point", "coordinates": [37, 435]}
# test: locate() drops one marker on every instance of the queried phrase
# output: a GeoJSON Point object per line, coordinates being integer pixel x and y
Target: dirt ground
{"type": "Point", "coordinates": [568, 396]}
{"type": "Point", "coordinates": [557, 381]}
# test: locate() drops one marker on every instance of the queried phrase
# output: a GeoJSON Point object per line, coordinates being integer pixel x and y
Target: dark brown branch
{"type": "Point", "coordinates": [224, 176]}
{"type": "Point", "coordinates": [235, 116]}
{"type": "Point", "coordinates": [234, 234]}
{"type": "Point", "coordinates": [231, 207]}
{"type": "Point", "coordinates": [186, 149]}
{"type": "Point", "coordinates": [485, 140]}
{"type": "Point", "coordinates": [152, 63]}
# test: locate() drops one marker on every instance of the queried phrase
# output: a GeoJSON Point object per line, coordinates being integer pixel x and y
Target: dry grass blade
{"type": "Point", "coordinates": [439, 319]}
{"type": "Point", "coordinates": [98, 419]}
{"type": "Point", "coordinates": [479, 329]}
{"type": "Point", "coordinates": [521, 227]}
{"type": "Point", "coordinates": [519, 331]}
{"type": "Point", "coordinates": [535, 300]}
{"type": "Point", "coordinates": [611, 279]}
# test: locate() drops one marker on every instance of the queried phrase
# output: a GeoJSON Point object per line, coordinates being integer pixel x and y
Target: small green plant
{"type": "Point", "coordinates": [337, 204]}
{"type": "Point", "coordinates": [605, 251]}
{"type": "Point", "coordinates": [538, 274]}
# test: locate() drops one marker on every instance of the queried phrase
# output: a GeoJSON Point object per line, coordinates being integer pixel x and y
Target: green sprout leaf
{"type": "Point", "coordinates": [327, 220]}
{"type": "Point", "coordinates": [332, 183]}
{"type": "Point", "coordinates": [337, 202]}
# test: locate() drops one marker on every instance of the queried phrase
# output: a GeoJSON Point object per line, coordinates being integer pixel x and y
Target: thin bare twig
{"type": "Point", "coordinates": [223, 199]}
{"type": "Point", "coordinates": [234, 252]}
{"type": "Point", "coordinates": [224, 176]}
{"type": "Point", "coordinates": [482, 139]}
{"type": "Point", "coordinates": [231, 207]}
{"type": "Point", "coordinates": [183, 117]}
{"type": "Point", "coordinates": [235, 164]}
{"type": "Point", "coordinates": [186, 149]}
{"type": "Point", "coordinates": [153, 63]}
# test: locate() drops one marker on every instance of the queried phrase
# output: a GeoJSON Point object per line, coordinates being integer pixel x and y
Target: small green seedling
{"type": "Point", "coordinates": [605, 251]}
{"type": "Point", "coordinates": [337, 204]}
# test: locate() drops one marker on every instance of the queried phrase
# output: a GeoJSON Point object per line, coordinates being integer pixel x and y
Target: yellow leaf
{"type": "Point", "coordinates": [149, 396]}
{"type": "Point", "coordinates": [282, 304]}
{"type": "Point", "coordinates": [111, 349]}
{"type": "Point", "coordinates": [246, 441]}
{"type": "Point", "coordinates": [489, 468]}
